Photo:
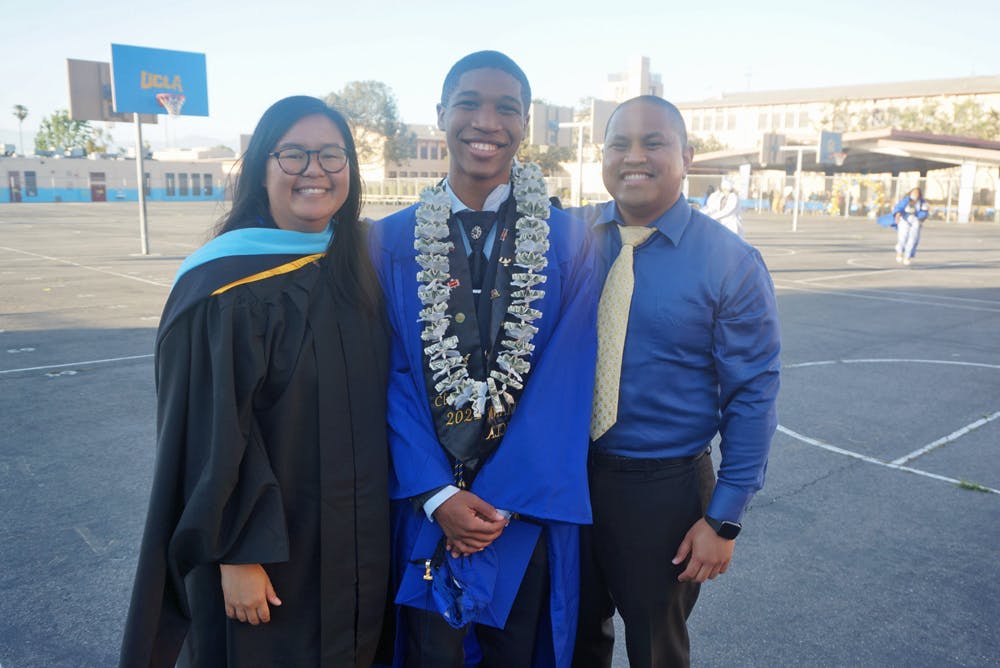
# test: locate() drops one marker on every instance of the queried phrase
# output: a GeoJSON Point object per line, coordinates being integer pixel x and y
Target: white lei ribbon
{"type": "Point", "coordinates": [531, 242]}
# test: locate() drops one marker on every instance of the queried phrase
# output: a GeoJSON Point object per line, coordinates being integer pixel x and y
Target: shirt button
{"type": "Point", "coordinates": [460, 318]}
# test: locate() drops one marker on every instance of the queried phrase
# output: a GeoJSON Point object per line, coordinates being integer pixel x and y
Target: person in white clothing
{"type": "Point", "coordinates": [724, 206]}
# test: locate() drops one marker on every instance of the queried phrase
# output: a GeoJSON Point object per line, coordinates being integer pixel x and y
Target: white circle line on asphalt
{"type": "Point", "coordinates": [773, 250]}
{"type": "Point", "coordinates": [782, 285]}
{"type": "Point", "coordinates": [874, 460]}
{"type": "Point", "coordinates": [889, 360]}
{"type": "Point", "coordinates": [899, 463]}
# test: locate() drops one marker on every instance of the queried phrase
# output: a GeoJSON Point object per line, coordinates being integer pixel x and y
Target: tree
{"type": "Point", "coordinates": [582, 112]}
{"type": "Point", "coordinates": [371, 110]}
{"type": "Point", "coordinates": [20, 113]}
{"type": "Point", "coordinates": [547, 157]}
{"type": "Point", "coordinates": [59, 131]}
{"type": "Point", "coordinates": [98, 141]}
{"type": "Point", "coordinates": [968, 118]}
{"type": "Point", "coordinates": [702, 145]}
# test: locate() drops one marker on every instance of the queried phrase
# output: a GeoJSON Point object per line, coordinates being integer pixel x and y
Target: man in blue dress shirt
{"type": "Point", "coordinates": [699, 358]}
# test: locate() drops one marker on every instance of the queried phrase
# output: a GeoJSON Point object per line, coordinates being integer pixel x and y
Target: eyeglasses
{"type": "Point", "coordinates": [295, 161]}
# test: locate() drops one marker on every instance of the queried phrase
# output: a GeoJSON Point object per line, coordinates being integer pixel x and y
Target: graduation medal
{"type": "Point", "coordinates": [449, 368]}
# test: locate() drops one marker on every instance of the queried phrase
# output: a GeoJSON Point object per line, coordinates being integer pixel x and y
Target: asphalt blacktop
{"type": "Point", "coordinates": [875, 541]}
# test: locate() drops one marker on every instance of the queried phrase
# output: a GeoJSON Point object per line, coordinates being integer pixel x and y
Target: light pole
{"type": "Point", "coordinates": [798, 180]}
{"type": "Point", "coordinates": [579, 125]}
{"type": "Point", "coordinates": [20, 113]}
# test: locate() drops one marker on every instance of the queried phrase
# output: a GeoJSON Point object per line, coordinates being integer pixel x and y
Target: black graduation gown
{"type": "Point", "coordinates": [271, 450]}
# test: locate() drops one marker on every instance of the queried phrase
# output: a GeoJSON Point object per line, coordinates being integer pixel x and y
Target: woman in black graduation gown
{"type": "Point", "coordinates": [267, 538]}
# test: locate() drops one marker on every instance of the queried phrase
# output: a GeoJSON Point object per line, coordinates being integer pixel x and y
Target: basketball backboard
{"type": "Point", "coordinates": [90, 93]}
{"type": "Point", "coordinates": [139, 74]}
{"type": "Point", "coordinates": [830, 148]}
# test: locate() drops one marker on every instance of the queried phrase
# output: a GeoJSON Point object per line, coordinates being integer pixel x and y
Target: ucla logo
{"type": "Point", "coordinates": [162, 81]}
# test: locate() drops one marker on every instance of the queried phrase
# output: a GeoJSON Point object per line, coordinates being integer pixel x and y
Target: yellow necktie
{"type": "Point", "coordinates": [612, 322]}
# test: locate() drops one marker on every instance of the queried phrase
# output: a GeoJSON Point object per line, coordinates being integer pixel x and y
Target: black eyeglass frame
{"type": "Point", "coordinates": [309, 154]}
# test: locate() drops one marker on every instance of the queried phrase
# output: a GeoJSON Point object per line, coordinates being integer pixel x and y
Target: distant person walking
{"type": "Point", "coordinates": [724, 206]}
{"type": "Point", "coordinates": [908, 216]}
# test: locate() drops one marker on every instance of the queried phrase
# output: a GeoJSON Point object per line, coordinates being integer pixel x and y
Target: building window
{"type": "Point", "coordinates": [434, 152]}
{"type": "Point", "coordinates": [423, 151]}
{"type": "Point", "coordinates": [444, 152]}
{"type": "Point", "coordinates": [171, 185]}
{"type": "Point", "coordinates": [696, 122]}
{"type": "Point", "coordinates": [731, 121]}
{"type": "Point", "coordinates": [761, 121]}
{"type": "Point", "coordinates": [392, 175]}
{"type": "Point", "coordinates": [789, 119]}
{"type": "Point", "coordinates": [207, 180]}
{"type": "Point", "coordinates": [720, 120]}
{"type": "Point", "coordinates": [182, 182]}
{"type": "Point", "coordinates": [803, 119]}
{"type": "Point", "coordinates": [196, 184]}
{"type": "Point", "coordinates": [30, 184]}
{"type": "Point", "coordinates": [423, 174]}
{"type": "Point", "coordinates": [146, 183]}
{"type": "Point", "coordinates": [775, 120]}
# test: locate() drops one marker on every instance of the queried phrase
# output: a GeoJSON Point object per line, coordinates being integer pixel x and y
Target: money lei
{"type": "Point", "coordinates": [531, 242]}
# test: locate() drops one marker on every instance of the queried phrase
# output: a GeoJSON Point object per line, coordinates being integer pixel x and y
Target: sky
{"type": "Point", "coordinates": [258, 52]}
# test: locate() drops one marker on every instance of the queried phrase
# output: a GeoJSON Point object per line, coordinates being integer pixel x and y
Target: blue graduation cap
{"type": "Point", "coordinates": [479, 588]}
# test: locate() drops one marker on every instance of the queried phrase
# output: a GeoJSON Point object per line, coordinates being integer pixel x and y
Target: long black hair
{"type": "Point", "coordinates": [350, 266]}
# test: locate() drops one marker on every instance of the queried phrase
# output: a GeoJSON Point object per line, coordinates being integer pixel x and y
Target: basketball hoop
{"type": "Point", "coordinates": [172, 102]}
{"type": "Point", "coordinates": [838, 158]}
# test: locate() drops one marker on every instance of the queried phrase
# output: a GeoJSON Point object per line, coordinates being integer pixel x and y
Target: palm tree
{"type": "Point", "coordinates": [20, 113]}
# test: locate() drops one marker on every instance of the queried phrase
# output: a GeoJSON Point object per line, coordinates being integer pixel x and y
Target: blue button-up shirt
{"type": "Point", "coordinates": [701, 353]}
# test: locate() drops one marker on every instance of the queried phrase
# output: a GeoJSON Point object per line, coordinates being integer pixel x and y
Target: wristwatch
{"type": "Point", "coordinates": [725, 529]}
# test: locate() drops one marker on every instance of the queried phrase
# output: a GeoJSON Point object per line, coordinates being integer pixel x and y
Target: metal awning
{"type": "Point", "coordinates": [869, 152]}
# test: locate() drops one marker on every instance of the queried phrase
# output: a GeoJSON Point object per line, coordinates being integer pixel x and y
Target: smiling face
{"type": "Point", "coordinates": [645, 161]}
{"type": "Point", "coordinates": [484, 122]}
{"type": "Point", "coordinates": [307, 202]}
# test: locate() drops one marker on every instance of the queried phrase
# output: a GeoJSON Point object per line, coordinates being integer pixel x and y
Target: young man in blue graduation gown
{"type": "Point", "coordinates": [492, 313]}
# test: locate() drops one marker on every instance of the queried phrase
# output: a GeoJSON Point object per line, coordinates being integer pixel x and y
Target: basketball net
{"type": "Point", "coordinates": [172, 102]}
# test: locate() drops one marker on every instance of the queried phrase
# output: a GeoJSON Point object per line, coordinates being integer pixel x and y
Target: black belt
{"type": "Point", "coordinates": [621, 463]}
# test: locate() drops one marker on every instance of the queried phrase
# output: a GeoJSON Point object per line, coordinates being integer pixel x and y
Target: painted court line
{"type": "Point", "coordinates": [853, 274]}
{"type": "Point", "coordinates": [926, 296]}
{"type": "Point", "coordinates": [946, 439]}
{"type": "Point", "coordinates": [885, 360]}
{"type": "Point", "coordinates": [856, 295]}
{"type": "Point", "coordinates": [61, 366]}
{"type": "Point", "coordinates": [873, 460]}
{"type": "Point", "coordinates": [83, 266]}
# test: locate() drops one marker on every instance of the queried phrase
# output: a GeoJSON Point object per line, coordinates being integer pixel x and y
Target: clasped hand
{"type": "Point", "coordinates": [469, 523]}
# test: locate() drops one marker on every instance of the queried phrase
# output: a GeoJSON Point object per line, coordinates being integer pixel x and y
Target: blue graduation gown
{"type": "Point", "coordinates": [540, 467]}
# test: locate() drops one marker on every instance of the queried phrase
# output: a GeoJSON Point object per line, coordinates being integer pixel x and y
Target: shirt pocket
{"type": "Point", "coordinates": [686, 326]}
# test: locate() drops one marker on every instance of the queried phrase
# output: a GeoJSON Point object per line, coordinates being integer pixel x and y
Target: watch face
{"type": "Point", "coordinates": [729, 530]}
{"type": "Point", "coordinates": [724, 528]}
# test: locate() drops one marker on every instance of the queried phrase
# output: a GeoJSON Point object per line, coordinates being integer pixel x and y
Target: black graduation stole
{"type": "Point", "coordinates": [469, 440]}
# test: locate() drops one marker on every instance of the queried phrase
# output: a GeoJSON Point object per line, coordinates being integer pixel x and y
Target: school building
{"type": "Point", "coordinates": [36, 178]}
